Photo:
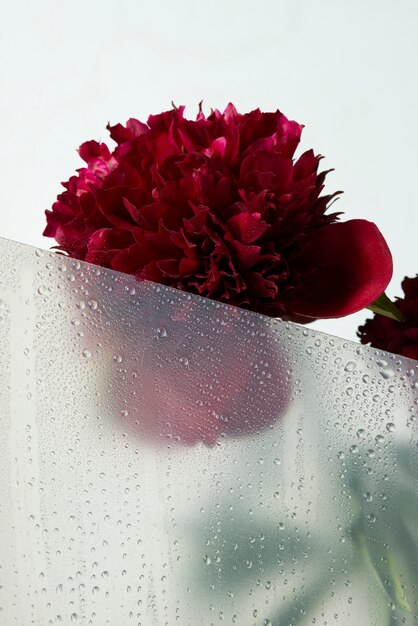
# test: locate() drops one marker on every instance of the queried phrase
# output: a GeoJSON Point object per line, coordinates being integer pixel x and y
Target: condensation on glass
{"type": "Point", "coordinates": [165, 459]}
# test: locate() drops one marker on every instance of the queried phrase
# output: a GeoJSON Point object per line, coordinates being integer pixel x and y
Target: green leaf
{"type": "Point", "coordinates": [384, 306]}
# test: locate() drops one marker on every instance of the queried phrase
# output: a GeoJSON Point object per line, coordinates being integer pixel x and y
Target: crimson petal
{"type": "Point", "coordinates": [106, 243]}
{"type": "Point", "coordinates": [352, 266]}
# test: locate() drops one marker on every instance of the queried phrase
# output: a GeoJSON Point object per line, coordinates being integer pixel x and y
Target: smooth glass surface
{"type": "Point", "coordinates": [166, 459]}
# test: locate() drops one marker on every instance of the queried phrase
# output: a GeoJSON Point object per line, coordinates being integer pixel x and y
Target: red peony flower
{"type": "Point", "coordinates": [219, 207]}
{"type": "Point", "coordinates": [394, 336]}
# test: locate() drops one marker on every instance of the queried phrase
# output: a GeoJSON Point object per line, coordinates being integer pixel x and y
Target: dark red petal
{"type": "Point", "coordinates": [245, 257]}
{"type": "Point", "coordinates": [266, 170]}
{"type": "Point", "coordinates": [92, 150]}
{"type": "Point", "coordinates": [218, 147]}
{"type": "Point", "coordinates": [289, 133]}
{"type": "Point", "coordinates": [188, 266]}
{"type": "Point", "coordinates": [169, 267]}
{"type": "Point", "coordinates": [230, 112]}
{"type": "Point", "coordinates": [120, 134]}
{"type": "Point", "coordinates": [259, 286]}
{"type": "Point", "coordinates": [130, 259]}
{"type": "Point", "coordinates": [112, 206]}
{"type": "Point", "coordinates": [410, 351]}
{"type": "Point", "coordinates": [306, 164]}
{"type": "Point", "coordinates": [61, 214]}
{"type": "Point", "coordinates": [104, 244]}
{"type": "Point", "coordinates": [410, 287]}
{"type": "Point", "coordinates": [352, 267]}
{"type": "Point", "coordinates": [247, 227]}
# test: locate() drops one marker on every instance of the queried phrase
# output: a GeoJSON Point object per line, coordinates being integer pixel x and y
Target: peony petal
{"type": "Point", "coordinates": [305, 166]}
{"type": "Point", "coordinates": [91, 150]}
{"type": "Point", "coordinates": [230, 113]}
{"type": "Point", "coordinates": [352, 266]}
{"type": "Point", "coordinates": [189, 266]}
{"type": "Point", "coordinates": [288, 133]}
{"type": "Point", "coordinates": [259, 286]}
{"type": "Point", "coordinates": [246, 227]}
{"type": "Point", "coordinates": [121, 134]}
{"type": "Point", "coordinates": [217, 148]}
{"type": "Point", "coordinates": [169, 267]}
{"type": "Point", "coordinates": [244, 256]}
{"type": "Point", "coordinates": [112, 206]}
{"type": "Point", "coordinates": [266, 170]}
{"type": "Point", "coordinates": [410, 287]}
{"type": "Point", "coordinates": [104, 244]}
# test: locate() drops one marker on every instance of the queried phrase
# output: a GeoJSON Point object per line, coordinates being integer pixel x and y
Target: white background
{"type": "Point", "coordinates": [347, 70]}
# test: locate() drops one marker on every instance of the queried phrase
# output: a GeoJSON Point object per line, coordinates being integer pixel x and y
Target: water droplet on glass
{"type": "Point", "coordinates": [386, 373]}
{"type": "Point", "coordinates": [86, 353]}
{"type": "Point", "coordinates": [350, 367]}
{"type": "Point", "coordinates": [361, 433]}
{"type": "Point", "coordinates": [368, 496]}
{"type": "Point", "coordinates": [161, 331]}
{"type": "Point", "coordinates": [207, 560]}
{"type": "Point", "coordinates": [74, 617]}
{"type": "Point", "coordinates": [354, 449]}
{"type": "Point", "coordinates": [390, 426]}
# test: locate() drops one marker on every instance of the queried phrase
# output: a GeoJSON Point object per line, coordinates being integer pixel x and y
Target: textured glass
{"type": "Point", "coordinates": [166, 459]}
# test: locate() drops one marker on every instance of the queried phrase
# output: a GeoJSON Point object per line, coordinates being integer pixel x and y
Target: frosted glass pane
{"type": "Point", "coordinates": [167, 459]}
